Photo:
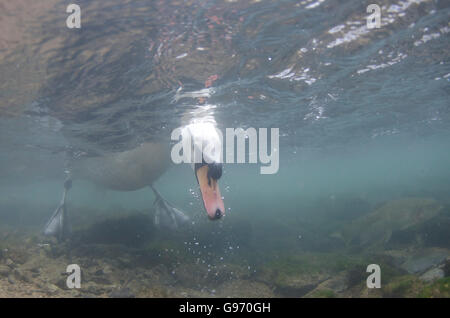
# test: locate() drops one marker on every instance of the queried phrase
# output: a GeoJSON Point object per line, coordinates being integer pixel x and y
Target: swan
{"type": "Point", "coordinates": [140, 167]}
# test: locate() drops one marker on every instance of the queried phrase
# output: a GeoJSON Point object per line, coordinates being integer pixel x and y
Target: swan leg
{"type": "Point", "coordinates": [58, 225]}
{"type": "Point", "coordinates": [166, 215]}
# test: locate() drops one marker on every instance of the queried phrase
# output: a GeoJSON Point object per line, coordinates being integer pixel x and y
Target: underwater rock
{"type": "Point", "coordinates": [415, 261]}
{"type": "Point", "coordinates": [18, 255]}
{"type": "Point", "coordinates": [321, 293]}
{"type": "Point", "coordinates": [160, 275]}
{"type": "Point", "coordinates": [355, 276]}
{"type": "Point", "coordinates": [62, 282]}
{"type": "Point", "coordinates": [9, 262]}
{"type": "Point", "coordinates": [104, 270]}
{"type": "Point", "coordinates": [233, 271]}
{"type": "Point", "coordinates": [244, 289]}
{"type": "Point", "coordinates": [446, 267]}
{"type": "Point", "coordinates": [124, 262]}
{"type": "Point", "coordinates": [432, 275]}
{"type": "Point", "coordinates": [51, 288]}
{"type": "Point", "coordinates": [422, 260]}
{"type": "Point", "coordinates": [192, 275]}
{"type": "Point", "coordinates": [410, 286]}
{"type": "Point", "coordinates": [101, 280]}
{"type": "Point", "coordinates": [122, 293]}
{"type": "Point", "coordinates": [107, 270]}
{"type": "Point", "coordinates": [99, 272]}
{"type": "Point", "coordinates": [376, 228]}
{"type": "Point", "coordinates": [295, 275]}
{"type": "Point", "coordinates": [93, 288]}
{"type": "Point", "coordinates": [46, 248]}
{"type": "Point", "coordinates": [298, 285]}
{"type": "Point", "coordinates": [330, 287]}
{"type": "Point", "coordinates": [4, 270]}
{"type": "Point", "coordinates": [433, 232]}
{"type": "Point", "coordinates": [23, 276]}
{"type": "Point", "coordinates": [56, 250]}
{"type": "Point", "coordinates": [11, 280]}
{"type": "Point", "coordinates": [401, 287]}
{"type": "Point", "coordinates": [133, 231]}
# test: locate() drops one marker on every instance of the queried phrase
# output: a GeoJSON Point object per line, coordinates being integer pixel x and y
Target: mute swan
{"type": "Point", "coordinates": [141, 167]}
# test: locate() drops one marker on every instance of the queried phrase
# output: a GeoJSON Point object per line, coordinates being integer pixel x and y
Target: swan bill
{"type": "Point", "coordinates": [209, 187]}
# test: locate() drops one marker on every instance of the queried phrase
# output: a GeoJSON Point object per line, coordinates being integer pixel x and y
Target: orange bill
{"type": "Point", "coordinates": [210, 193]}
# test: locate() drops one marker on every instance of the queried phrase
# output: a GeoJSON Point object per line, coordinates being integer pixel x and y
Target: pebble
{"type": "Point", "coordinates": [23, 276]}
{"type": "Point", "coordinates": [94, 289]}
{"type": "Point", "coordinates": [4, 270]}
{"type": "Point", "coordinates": [99, 272]}
{"type": "Point", "coordinates": [11, 280]}
{"type": "Point", "coordinates": [51, 288]}
{"type": "Point", "coordinates": [107, 270]}
{"type": "Point", "coordinates": [446, 267]}
{"type": "Point", "coordinates": [10, 263]}
{"type": "Point", "coordinates": [122, 293]}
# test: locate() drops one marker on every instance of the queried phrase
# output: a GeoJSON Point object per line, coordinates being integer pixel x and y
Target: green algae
{"type": "Point", "coordinates": [409, 286]}
{"type": "Point", "coordinates": [311, 263]}
{"type": "Point", "coordinates": [438, 289]}
{"type": "Point", "coordinates": [324, 293]}
{"type": "Point", "coordinates": [401, 287]}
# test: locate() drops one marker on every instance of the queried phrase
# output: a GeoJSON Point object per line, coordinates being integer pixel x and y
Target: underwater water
{"type": "Point", "coordinates": [364, 133]}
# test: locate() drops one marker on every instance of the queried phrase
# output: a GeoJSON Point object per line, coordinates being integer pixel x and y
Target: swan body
{"type": "Point", "coordinates": [126, 171]}
{"type": "Point", "coordinates": [140, 167]}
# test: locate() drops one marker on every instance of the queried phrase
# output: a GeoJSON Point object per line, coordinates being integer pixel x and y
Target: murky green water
{"type": "Point", "coordinates": [364, 123]}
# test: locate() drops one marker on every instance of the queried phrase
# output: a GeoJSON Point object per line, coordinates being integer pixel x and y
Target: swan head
{"type": "Point", "coordinates": [206, 162]}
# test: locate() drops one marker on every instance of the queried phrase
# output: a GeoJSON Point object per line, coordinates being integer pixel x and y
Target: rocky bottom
{"type": "Point", "coordinates": [31, 266]}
